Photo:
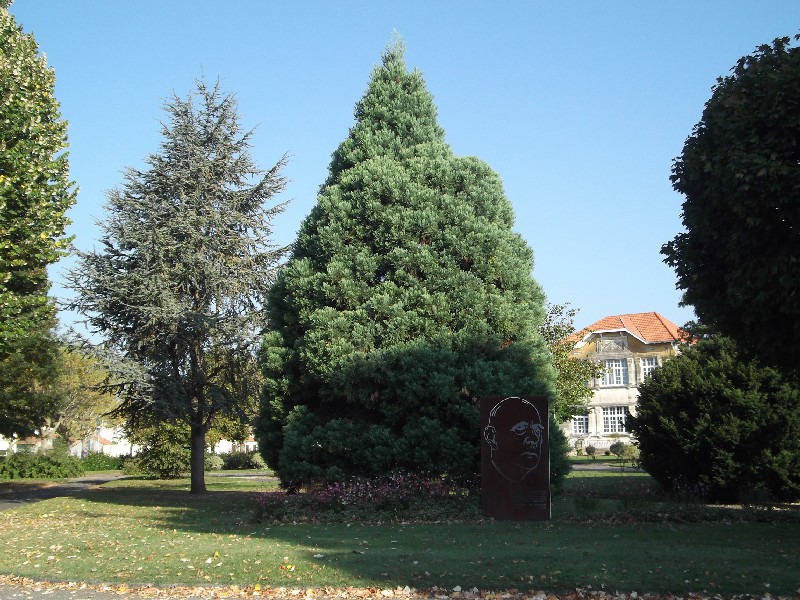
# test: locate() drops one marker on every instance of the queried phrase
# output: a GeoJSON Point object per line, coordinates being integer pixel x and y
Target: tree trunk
{"type": "Point", "coordinates": [197, 461]}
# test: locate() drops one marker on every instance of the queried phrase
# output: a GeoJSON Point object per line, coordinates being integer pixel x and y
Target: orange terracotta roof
{"type": "Point", "coordinates": [651, 327]}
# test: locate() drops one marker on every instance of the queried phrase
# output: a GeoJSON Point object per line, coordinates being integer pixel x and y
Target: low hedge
{"type": "Point", "coordinates": [49, 465]}
{"type": "Point", "coordinates": [242, 460]}
{"type": "Point", "coordinates": [97, 461]}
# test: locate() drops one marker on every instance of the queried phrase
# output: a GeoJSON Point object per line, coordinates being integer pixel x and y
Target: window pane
{"type": "Point", "coordinates": [616, 372]}
{"type": "Point", "coordinates": [614, 419]}
{"type": "Point", "coordinates": [648, 365]}
{"type": "Point", "coordinates": [580, 425]}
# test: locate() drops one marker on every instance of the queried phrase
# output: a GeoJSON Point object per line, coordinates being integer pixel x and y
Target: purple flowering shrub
{"type": "Point", "coordinates": [399, 496]}
{"type": "Point", "coordinates": [397, 490]}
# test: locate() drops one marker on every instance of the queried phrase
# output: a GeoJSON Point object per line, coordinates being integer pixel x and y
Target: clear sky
{"type": "Point", "coordinates": [580, 106]}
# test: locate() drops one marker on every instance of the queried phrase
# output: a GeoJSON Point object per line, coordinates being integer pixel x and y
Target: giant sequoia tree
{"type": "Point", "coordinates": [35, 193]}
{"type": "Point", "coordinates": [178, 285]}
{"type": "Point", "coordinates": [739, 259]}
{"type": "Point", "coordinates": [408, 296]}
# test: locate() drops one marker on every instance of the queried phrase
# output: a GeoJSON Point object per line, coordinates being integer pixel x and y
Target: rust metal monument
{"type": "Point", "coordinates": [515, 458]}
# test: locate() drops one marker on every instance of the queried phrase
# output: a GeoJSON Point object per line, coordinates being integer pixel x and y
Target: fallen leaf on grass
{"type": "Point", "coordinates": [342, 593]}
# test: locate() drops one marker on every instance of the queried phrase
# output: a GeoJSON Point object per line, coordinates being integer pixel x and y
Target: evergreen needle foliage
{"type": "Point", "coordinates": [715, 424]}
{"type": "Point", "coordinates": [407, 298]}
{"type": "Point", "coordinates": [178, 286]}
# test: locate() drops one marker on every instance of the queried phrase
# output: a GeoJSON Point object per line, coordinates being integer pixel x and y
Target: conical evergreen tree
{"type": "Point", "coordinates": [408, 297]}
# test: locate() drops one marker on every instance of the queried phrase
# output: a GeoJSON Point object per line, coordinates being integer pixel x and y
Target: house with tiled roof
{"type": "Point", "coordinates": [629, 347]}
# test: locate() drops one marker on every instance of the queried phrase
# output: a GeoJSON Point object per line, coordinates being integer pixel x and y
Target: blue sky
{"type": "Point", "coordinates": [580, 107]}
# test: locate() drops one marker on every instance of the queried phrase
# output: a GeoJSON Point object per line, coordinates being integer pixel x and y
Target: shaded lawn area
{"type": "Point", "coordinates": [15, 487]}
{"type": "Point", "coordinates": [144, 532]}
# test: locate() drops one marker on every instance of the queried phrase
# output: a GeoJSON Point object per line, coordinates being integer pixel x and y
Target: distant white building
{"type": "Point", "coordinates": [106, 440]}
{"type": "Point", "coordinates": [629, 347]}
{"type": "Point", "coordinates": [226, 446]}
{"type": "Point", "coordinates": [110, 441]}
{"type": "Point", "coordinates": [7, 446]}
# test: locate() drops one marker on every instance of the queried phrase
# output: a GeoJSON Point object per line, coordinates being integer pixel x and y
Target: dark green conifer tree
{"type": "Point", "coordinates": [408, 297]}
{"type": "Point", "coordinates": [178, 287]}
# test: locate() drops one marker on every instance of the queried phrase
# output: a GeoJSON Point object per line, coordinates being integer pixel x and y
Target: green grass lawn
{"type": "Point", "coordinates": [630, 539]}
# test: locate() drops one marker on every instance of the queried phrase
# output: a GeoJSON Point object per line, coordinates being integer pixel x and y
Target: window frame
{"type": "Point", "coordinates": [647, 366]}
{"type": "Point", "coordinates": [584, 422]}
{"type": "Point", "coordinates": [615, 419]}
{"type": "Point", "coordinates": [616, 374]}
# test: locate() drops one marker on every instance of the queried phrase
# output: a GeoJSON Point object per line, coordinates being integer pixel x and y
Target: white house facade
{"type": "Point", "coordinates": [629, 347]}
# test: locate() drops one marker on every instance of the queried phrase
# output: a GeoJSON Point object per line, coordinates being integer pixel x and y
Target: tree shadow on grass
{"type": "Point", "coordinates": [19, 491]}
{"type": "Point", "coordinates": [630, 500]}
{"type": "Point", "coordinates": [163, 520]}
{"type": "Point", "coordinates": [565, 552]}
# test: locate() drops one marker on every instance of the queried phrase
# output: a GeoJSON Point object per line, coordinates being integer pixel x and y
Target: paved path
{"type": "Point", "coordinates": [605, 467]}
{"type": "Point", "coordinates": [67, 488]}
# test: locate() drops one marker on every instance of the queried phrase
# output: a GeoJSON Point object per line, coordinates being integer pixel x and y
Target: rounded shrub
{"type": "Point", "coordinates": [617, 448]}
{"type": "Point", "coordinates": [720, 425]}
{"type": "Point", "coordinates": [242, 460]}
{"type": "Point", "coordinates": [164, 450]}
{"type": "Point", "coordinates": [130, 467]}
{"type": "Point", "coordinates": [164, 462]}
{"type": "Point", "coordinates": [213, 462]}
{"type": "Point", "coordinates": [347, 448]}
{"type": "Point", "coordinates": [97, 461]}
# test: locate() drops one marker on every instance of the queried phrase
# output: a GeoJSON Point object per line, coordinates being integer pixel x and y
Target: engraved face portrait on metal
{"type": "Point", "coordinates": [515, 434]}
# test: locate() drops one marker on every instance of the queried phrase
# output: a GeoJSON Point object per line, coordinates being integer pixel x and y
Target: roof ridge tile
{"type": "Point", "coordinates": [650, 327]}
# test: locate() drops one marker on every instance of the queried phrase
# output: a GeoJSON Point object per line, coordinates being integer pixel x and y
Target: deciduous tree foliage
{"type": "Point", "coordinates": [83, 405]}
{"type": "Point", "coordinates": [186, 260]}
{"type": "Point", "coordinates": [407, 297]}
{"type": "Point", "coordinates": [573, 374]}
{"type": "Point", "coordinates": [739, 259]}
{"type": "Point", "coordinates": [245, 381]}
{"type": "Point", "coordinates": [29, 374]}
{"type": "Point", "coordinates": [714, 423]}
{"type": "Point", "coordinates": [35, 193]}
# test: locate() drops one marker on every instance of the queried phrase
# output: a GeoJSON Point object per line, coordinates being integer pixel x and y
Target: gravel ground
{"type": "Point", "coordinates": [39, 591]}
